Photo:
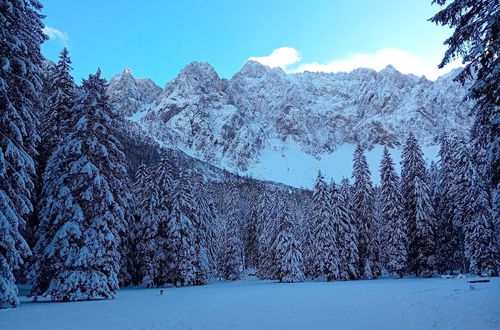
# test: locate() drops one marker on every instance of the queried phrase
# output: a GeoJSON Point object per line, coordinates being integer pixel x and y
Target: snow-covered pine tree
{"type": "Point", "coordinates": [363, 204]}
{"type": "Point", "coordinates": [140, 204]}
{"type": "Point", "coordinates": [474, 215]}
{"type": "Point", "coordinates": [219, 238]}
{"type": "Point", "coordinates": [271, 227]}
{"type": "Point", "coordinates": [127, 246]}
{"type": "Point", "coordinates": [206, 226]}
{"type": "Point", "coordinates": [251, 239]}
{"type": "Point", "coordinates": [200, 259]}
{"type": "Point", "coordinates": [481, 244]}
{"type": "Point", "coordinates": [297, 204]}
{"type": "Point", "coordinates": [379, 226]}
{"type": "Point", "coordinates": [287, 256]}
{"type": "Point", "coordinates": [59, 95]}
{"type": "Point", "coordinates": [485, 153]}
{"type": "Point", "coordinates": [462, 169]}
{"type": "Point", "coordinates": [83, 211]}
{"type": "Point", "coordinates": [141, 189]}
{"type": "Point", "coordinates": [264, 232]}
{"type": "Point", "coordinates": [326, 251]}
{"type": "Point", "coordinates": [475, 39]}
{"type": "Point", "coordinates": [165, 185]}
{"type": "Point", "coordinates": [447, 234]}
{"type": "Point", "coordinates": [232, 264]}
{"type": "Point", "coordinates": [350, 244]}
{"type": "Point", "coordinates": [305, 232]}
{"type": "Point", "coordinates": [308, 248]}
{"type": "Point", "coordinates": [20, 87]}
{"type": "Point", "coordinates": [424, 232]}
{"type": "Point", "coordinates": [57, 119]}
{"type": "Point", "coordinates": [128, 267]}
{"type": "Point", "coordinates": [345, 233]}
{"type": "Point", "coordinates": [216, 190]}
{"type": "Point", "coordinates": [418, 211]}
{"type": "Point", "coordinates": [392, 212]}
{"type": "Point", "coordinates": [150, 248]}
{"type": "Point", "coordinates": [182, 231]}
{"type": "Point", "coordinates": [433, 177]}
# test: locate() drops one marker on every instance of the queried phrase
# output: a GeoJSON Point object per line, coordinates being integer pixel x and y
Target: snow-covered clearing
{"type": "Point", "coordinates": [252, 304]}
{"type": "Point", "coordinates": [296, 168]}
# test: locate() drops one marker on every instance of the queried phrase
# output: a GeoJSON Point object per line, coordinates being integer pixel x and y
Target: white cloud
{"type": "Point", "coordinates": [401, 60]}
{"type": "Point", "coordinates": [280, 57]}
{"type": "Point", "coordinates": [55, 34]}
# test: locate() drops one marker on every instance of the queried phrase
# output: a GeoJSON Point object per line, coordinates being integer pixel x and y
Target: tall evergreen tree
{"type": "Point", "coordinates": [233, 250]}
{"type": "Point", "coordinates": [363, 203]}
{"type": "Point", "coordinates": [307, 237]}
{"type": "Point", "coordinates": [476, 40]}
{"type": "Point", "coordinates": [165, 185]}
{"type": "Point", "coordinates": [346, 235]}
{"type": "Point", "coordinates": [424, 243]}
{"type": "Point", "coordinates": [474, 215]}
{"type": "Point", "coordinates": [57, 119]}
{"type": "Point", "coordinates": [150, 246]}
{"type": "Point", "coordinates": [141, 189]}
{"type": "Point", "coordinates": [206, 227]}
{"type": "Point", "coordinates": [59, 99]}
{"type": "Point", "coordinates": [286, 249]}
{"type": "Point", "coordinates": [265, 230]}
{"type": "Point", "coordinates": [140, 203]}
{"type": "Point", "coordinates": [379, 227]}
{"type": "Point", "coordinates": [217, 191]}
{"type": "Point", "coordinates": [182, 247]}
{"type": "Point", "coordinates": [350, 245]}
{"type": "Point", "coordinates": [462, 181]}
{"type": "Point", "coordinates": [251, 239]}
{"type": "Point", "coordinates": [481, 245]}
{"type": "Point", "coordinates": [84, 206]}
{"type": "Point", "coordinates": [326, 250]}
{"type": "Point", "coordinates": [128, 257]}
{"type": "Point", "coordinates": [447, 234]}
{"type": "Point", "coordinates": [434, 177]}
{"type": "Point", "coordinates": [418, 211]}
{"type": "Point", "coordinates": [20, 87]}
{"type": "Point", "coordinates": [396, 237]}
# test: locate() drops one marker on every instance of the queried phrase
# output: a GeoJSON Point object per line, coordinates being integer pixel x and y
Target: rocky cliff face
{"type": "Point", "coordinates": [129, 95]}
{"type": "Point", "coordinates": [230, 122]}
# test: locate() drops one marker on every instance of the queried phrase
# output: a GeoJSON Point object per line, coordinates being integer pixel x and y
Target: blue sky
{"type": "Point", "coordinates": [156, 39]}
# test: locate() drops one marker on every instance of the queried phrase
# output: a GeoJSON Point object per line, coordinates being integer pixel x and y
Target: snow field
{"type": "Point", "coordinates": [409, 303]}
{"type": "Point", "coordinates": [299, 169]}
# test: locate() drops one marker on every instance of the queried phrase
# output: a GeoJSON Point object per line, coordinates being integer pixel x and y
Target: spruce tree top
{"type": "Point", "coordinates": [476, 39]}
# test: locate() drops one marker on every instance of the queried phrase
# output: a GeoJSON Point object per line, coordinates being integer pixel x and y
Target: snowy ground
{"type": "Point", "coordinates": [378, 304]}
{"type": "Point", "coordinates": [294, 167]}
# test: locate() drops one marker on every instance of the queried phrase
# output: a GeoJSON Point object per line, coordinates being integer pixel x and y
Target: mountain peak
{"type": "Point", "coordinates": [124, 78]}
{"type": "Point", "coordinates": [256, 69]}
{"type": "Point", "coordinates": [251, 64]}
{"type": "Point", "coordinates": [390, 69]}
{"type": "Point", "coordinates": [129, 95]}
{"type": "Point", "coordinates": [196, 78]}
{"type": "Point", "coordinates": [199, 68]}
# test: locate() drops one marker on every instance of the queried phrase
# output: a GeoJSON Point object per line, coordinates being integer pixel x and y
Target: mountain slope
{"type": "Point", "coordinates": [260, 111]}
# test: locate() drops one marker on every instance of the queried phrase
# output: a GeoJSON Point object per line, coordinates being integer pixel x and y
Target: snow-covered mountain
{"type": "Point", "coordinates": [129, 95]}
{"type": "Point", "coordinates": [237, 123]}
